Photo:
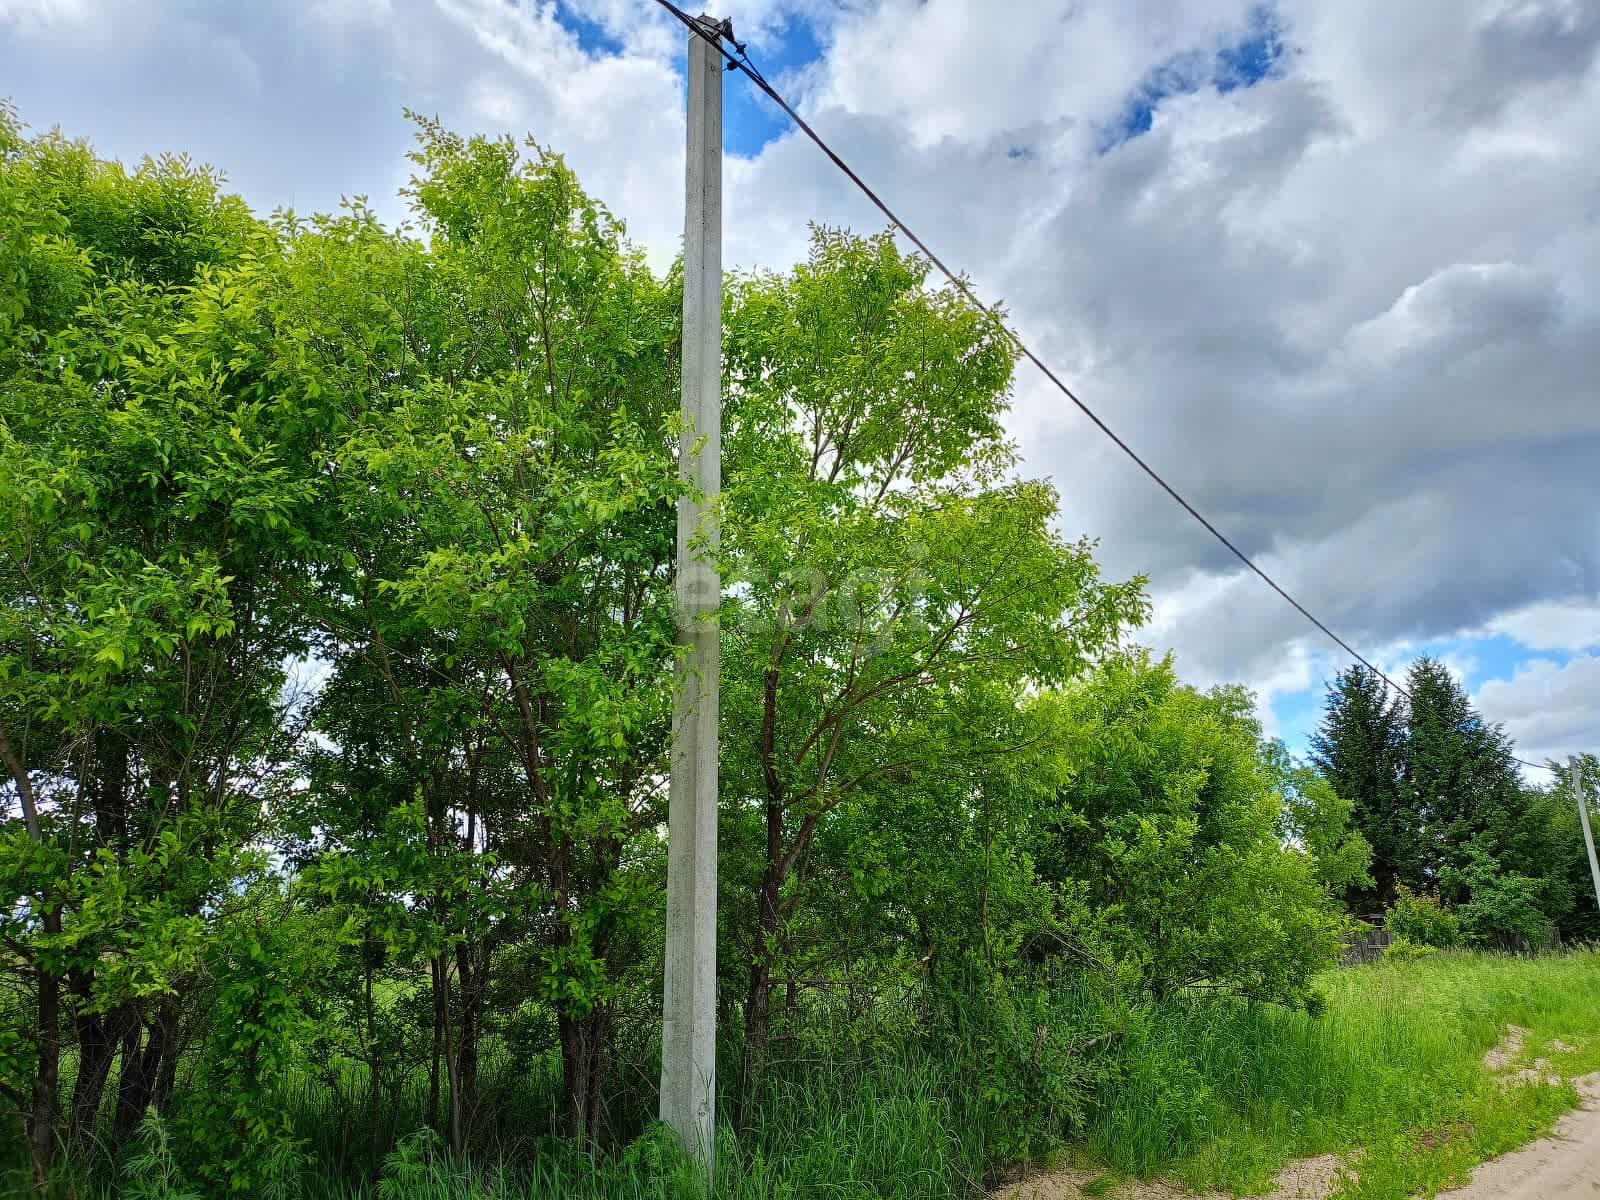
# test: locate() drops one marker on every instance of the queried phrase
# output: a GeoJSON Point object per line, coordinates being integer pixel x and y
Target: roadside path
{"type": "Point", "coordinates": [1564, 1166]}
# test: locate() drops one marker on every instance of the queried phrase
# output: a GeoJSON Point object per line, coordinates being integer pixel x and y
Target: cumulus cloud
{"type": "Point", "coordinates": [1572, 624]}
{"type": "Point", "coordinates": [1547, 707]}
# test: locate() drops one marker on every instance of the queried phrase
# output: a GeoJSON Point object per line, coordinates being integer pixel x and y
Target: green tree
{"type": "Point", "coordinates": [151, 489]}
{"type": "Point", "coordinates": [1359, 750]}
{"type": "Point", "coordinates": [1167, 823]}
{"type": "Point", "coordinates": [880, 563]}
{"type": "Point", "coordinates": [501, 576]}
{"type": "Point", "coordinates": [1458, 778]}
{"type": "Point", "coordinates": [1318, 819]}
{"type": "Point", "coordinates": [1583, 919]}
{"type": "Point", "coordinates": [1503, 909]}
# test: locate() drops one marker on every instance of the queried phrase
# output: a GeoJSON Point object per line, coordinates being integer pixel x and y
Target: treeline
{"type": "Point", "coordinates": [1463, 850]}
{"type": "Point", "coordinates": [335, 691]}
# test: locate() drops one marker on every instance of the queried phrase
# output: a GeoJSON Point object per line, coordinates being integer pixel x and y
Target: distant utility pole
{"type": "Point", "coordinates": [1575, 778]}
{"type": "Point", "coordinates": [689, 1018]}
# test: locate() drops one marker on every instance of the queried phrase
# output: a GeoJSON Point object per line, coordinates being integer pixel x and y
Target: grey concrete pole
{"type": "Point", "coordinates": [689, 1021]}
{"type": "Point", "coordinates": [1575, 777]}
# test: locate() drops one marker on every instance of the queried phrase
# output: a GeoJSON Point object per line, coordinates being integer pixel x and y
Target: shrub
{"type": "Point", "coordinates": [1423, 921]}
{"type": "Point", "coordinates": [1403, 950]}
{"type": "Point", "coordinates": [1504, 912]}
{"type": "Point", "coordinates": [1504, 909]}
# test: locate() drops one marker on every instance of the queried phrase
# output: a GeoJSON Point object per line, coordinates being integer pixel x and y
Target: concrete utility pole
{"type": "Point", "coordinates": [689, 1020]}
{"type": "Point", "coordinates": [1575, 777]}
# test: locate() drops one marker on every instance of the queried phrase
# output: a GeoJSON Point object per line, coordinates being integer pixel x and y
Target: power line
{"type": "Point", "coordinates": [739, 60]}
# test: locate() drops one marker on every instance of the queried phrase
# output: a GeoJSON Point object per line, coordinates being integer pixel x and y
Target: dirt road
{"type": "Point", "coordinates": [1564, 1166]}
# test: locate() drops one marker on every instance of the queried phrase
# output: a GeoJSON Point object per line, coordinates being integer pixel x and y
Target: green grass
{"type": "Point", "coordinates": [1214, 1093]}
{"type": "Point", "coordinates": [888, 1130]}
{"type": "Point", "coordinates": [1221, 1095]}
{"type": "Point", "coordinates": [1207, 1090]}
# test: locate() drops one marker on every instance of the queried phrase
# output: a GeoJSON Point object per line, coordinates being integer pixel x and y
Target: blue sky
{"type": "Point", "coordinates": [1476, 661]}
{"type": "Point", "coordinates": [1253, 51]}
{"type": "Point", "coordinates": [780, 51]}
{"type": "Point", "coordinates": [1241, 62]}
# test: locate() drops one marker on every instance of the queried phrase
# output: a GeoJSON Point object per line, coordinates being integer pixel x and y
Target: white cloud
{"type": "Point", "coordinates": [1553, 625]}
{"type": "Point", "coordinates": [1550, 709]}
{"type": "Point", "coordinates": [43, 13]}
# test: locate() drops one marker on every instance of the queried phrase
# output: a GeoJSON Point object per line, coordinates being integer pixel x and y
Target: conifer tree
{"type": "Point", "coordinates": [1359, 749]}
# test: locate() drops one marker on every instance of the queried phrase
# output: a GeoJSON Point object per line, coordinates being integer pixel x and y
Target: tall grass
{"type": "Point", "coordinates": [888, 1130]}
{"type": "Point", "coordinates": [1222, 1093]}
{"type": "Point", "coordinates": [1213, 1091]}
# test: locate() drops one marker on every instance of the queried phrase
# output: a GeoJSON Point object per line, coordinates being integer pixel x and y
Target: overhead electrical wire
{"type": "Point", "coordinates": [739, 60]}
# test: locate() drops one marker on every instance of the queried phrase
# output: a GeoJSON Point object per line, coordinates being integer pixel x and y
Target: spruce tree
{"type": "Point", "coordinates": [1359, 749]}
{"type": "Point", "coordinates": [1458, 776]}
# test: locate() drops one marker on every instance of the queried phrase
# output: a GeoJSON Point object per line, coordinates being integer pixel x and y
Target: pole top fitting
{"type": "Point", "coordinates": [722, 27]}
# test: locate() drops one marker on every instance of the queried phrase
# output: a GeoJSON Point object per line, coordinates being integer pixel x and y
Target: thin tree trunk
{"type": "Point", "coordinates": [164, 1038]}
{"type": "Point", "coordinates": [99, 1034]}
{"type": "Point", "coordinates": [110, 789]}
{"type": "Point", "coordinates": [372, 1046]}
{"type": "Point", "coordinates": [46, 1079]}
{"type": "Point", "coordinates": [471, 977]}
{"type": "Point", "coordinates": [46, 1076]}
{"type": "Point", "coordinates": [758, 1000]}
{"type": "Point", "coordinates": [133, 1094]}
{"type": "Point", "coordinates": [471, 983]}
{"type": "Point", "coordinates": [441, 992]}
{"type": "Point", "coordinates": [757, 1008]}
{"type": "Point", "coordinates": [142, 1070]}
{"type": "Point", "coordinates": [583, 1042]}
{"type": "Point", "coordinates": [433, 1066]}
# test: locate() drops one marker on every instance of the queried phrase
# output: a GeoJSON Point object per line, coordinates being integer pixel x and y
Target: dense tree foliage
{"type": "Point", "coordinates": [1452, 824]}
{"type": "Point", "coordinates": [1359, 750]}
{"type": "Point", "coordinates": [1168, 831]}
{"type": "Point", "coordinates": [336, 667]}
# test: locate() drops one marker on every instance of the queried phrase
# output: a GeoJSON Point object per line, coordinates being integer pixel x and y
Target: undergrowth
{"type": "Point", "coordinates": [1211, 1091]}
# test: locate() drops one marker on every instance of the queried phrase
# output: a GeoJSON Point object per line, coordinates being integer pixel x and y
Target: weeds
{"type": "Point", "coordinates": [1212, 1091]}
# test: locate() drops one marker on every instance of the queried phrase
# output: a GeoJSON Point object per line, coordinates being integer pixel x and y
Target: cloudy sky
{"type": "Point", "coordinates": [1333, 266]}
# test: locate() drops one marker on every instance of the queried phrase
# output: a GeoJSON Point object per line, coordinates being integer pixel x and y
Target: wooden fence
{"type": "Point", "coordinates": [1369, 944]}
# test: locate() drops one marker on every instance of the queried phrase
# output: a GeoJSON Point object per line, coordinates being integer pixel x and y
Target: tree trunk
{"type": "Point", "coordinates": [373, 1084]}
{"type": "Point", "coordinates": [757, 1007]}
{"type": "Point", "coordinates": [433, 1064]}
{"type": "Point", "coordinates": [441, 1001]}
{"type": "Point", "coordinates": [41, 1124]}
{"type": "Point", "coordinates": [142, 1070]}
{"type": "Point", "coordinates": [99, 1034]}
{"type": "Point", "coordinates": [471, 976]}
{"type": "Point", "coordinates": [471, 982]}
{"type": "Point", "coordinates": [110, 789]}
{"type": "Point", "coordinates": [583, 1042]}
{"type": "Point", "coordinates": [758, 1001]}
{"type": "Point", "coordinates": [130, 1084]}
{"type": "Point", "coordinates": [171, 1019]}
{"type": "Point", "coordinates": [47, 1074]}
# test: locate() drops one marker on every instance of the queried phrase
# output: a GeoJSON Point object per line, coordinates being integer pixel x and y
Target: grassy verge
{"type": "Point", "coordinates": [1391, 1076]}
{"type": "Point", "coordinates": [1214, 1093]}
